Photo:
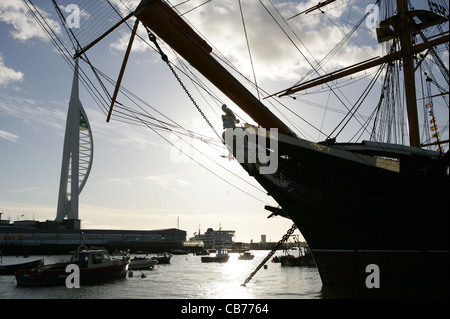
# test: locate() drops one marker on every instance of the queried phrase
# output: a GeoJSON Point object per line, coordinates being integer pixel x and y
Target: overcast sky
{"type": "Point", "coordinates": [138, 180]}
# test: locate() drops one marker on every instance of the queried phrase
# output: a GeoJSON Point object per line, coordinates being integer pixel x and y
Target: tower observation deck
{"type": "Point", "coordinates": [77, 158]}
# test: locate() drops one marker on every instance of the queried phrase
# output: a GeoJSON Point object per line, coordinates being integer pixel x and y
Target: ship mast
{"type": "Point", "coordinates": [403, 27]}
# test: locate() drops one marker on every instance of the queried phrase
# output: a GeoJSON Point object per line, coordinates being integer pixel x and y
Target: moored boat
{"type": "Point", "coordinates": [246, 255]}
{"type": "Point", "coordinates": [142, 263]}
{"type": "Point", "coordinates": [291, 260]}
{"type": "Point", "coordinates": [163, 258]}
{"type": "Point", "coordinates": [179, 252]}
{"type": "Point", "coordinates": [12, 268]}
{"type": "Point", "coordinates": [94, 265]}
{"type": "Point", "coordinates": [220, 257]}
{"type": "Point", "coordinates": [120, 254]}
{"type": "Point", "coordinates": [203, 252]}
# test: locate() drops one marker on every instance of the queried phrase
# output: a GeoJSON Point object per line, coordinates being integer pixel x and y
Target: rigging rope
{"type": "Point", "coordinates": [164, 57]}
{"type": "Point", "coordinates": [358, 104]}
{"type": "Point", "coordinates": [164, 126]}
{"type": "Point", "coordinates": [319, 65]}
{"type": "Point", "coordinates": [131, 115]}
{"type": "Point", "coordinates": [248, 49]}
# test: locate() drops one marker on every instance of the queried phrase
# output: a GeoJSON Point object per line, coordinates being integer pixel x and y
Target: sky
{"type": "Point", "coordinates": [139, 180]}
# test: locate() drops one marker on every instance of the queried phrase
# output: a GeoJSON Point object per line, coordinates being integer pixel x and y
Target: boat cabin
{"type": "Point", "coordinates": [85, 258]}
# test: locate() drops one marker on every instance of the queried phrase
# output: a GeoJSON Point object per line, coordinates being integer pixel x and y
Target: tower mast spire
{"type": "Point", "coordinates": [75, 168]}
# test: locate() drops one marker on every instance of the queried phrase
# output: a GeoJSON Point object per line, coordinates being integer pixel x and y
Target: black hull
{"type": "Point", "coordinates": [11, 269]}
{"type": "Point", "coordinates": [402, 274]}
{"type": "Point", "coordinates": [353, 214]}
{"type": "Point", "coordinates": [56, 274]}
{"type": "Point", "coordinates": [208, 259]}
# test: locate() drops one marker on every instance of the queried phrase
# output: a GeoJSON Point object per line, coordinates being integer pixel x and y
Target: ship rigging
{"type": "Point", "coordinates": [288, 110]}
{"type": "Point", "coordinates": [356, 191]}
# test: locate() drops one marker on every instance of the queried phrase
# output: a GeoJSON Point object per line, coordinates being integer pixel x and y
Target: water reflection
{"type": "Point", "coordinates": [188, 278]}
{"type": "Point", "coordinates": [229, 277]}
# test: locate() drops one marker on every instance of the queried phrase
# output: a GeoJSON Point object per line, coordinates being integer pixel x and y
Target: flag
{"type": "Point", "coordinates": [433, 128]}
{"type": "Point", "coordinates": [431, 113]}
{"type": "Point", "coordinates": [429, 104]}
{"type": "Point", "coordinates": [433, 120]}
{"type": "Point", "coordinates": [435, 135]}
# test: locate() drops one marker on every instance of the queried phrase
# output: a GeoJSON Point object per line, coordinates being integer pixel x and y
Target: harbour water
{"type": "Point", "coordinates": [186, 277]}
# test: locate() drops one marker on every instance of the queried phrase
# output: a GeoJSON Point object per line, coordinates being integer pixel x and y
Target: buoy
{"type": "Point", "coordinates": [265, 266]}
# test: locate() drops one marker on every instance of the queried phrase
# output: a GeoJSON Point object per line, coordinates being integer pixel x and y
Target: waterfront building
{"type": "Point", "coordinates": [37, 238]}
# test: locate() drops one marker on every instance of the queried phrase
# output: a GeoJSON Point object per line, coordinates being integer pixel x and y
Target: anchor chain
{"type": "Point", "coordinates": [270, 254]}
{"type": "Point", "coordinates": [164, 57]}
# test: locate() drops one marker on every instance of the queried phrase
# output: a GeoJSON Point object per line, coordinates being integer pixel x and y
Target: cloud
{"type": "Point", "coordinates": [39, 114]}
{"type": "Point", "coordinates": [9, 136]}
{"type": "Point", "coordinates": [33, 112]}
{"type": "Point", "coordinates": [169, 182]}
{"type": "Point", "coordinates": [8, 75]}
{"type": "Point", "coordinates": [24, 25]}
{"type": "Point", "coordinates": [125, 8]}
{"type": "Point", "coordinates": [139, 46]}
{"type": "Point", "coordinates": [32, 190]}
{"type": "Point", "coordinates": [274, 56]}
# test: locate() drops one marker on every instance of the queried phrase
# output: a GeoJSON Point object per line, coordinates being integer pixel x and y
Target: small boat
{"type": "Point", "coordinates": [305, 259]}
{"type": "Point", "coordinates": [220, 257]}
{"type": "Point", "coordinates": [289, 260]}
{"type": "Point", "coordinates": [203, 252]}
{"type": "Point", "coordinates": [163, 258]}
{"type": "Point", "coordinates": [246, 255]}
{"type": "Point", "coordinates": [180, 252]}
{"type": "Point", "coordinates": [141, 263]}
{"type": "Point", "coordinates": [119, 254]}
{"type": "Point", "coordinates": [95, 265]}
{"type": "Point", "coordinates": [11, 269]}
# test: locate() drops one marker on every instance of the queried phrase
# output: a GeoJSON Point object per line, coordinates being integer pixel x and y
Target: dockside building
{"type": "Point", "coordinates": [48, 238]}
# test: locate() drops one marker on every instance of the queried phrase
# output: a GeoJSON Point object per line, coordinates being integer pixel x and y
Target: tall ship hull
{"type": "Point", "coordinates": [355, 212]}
